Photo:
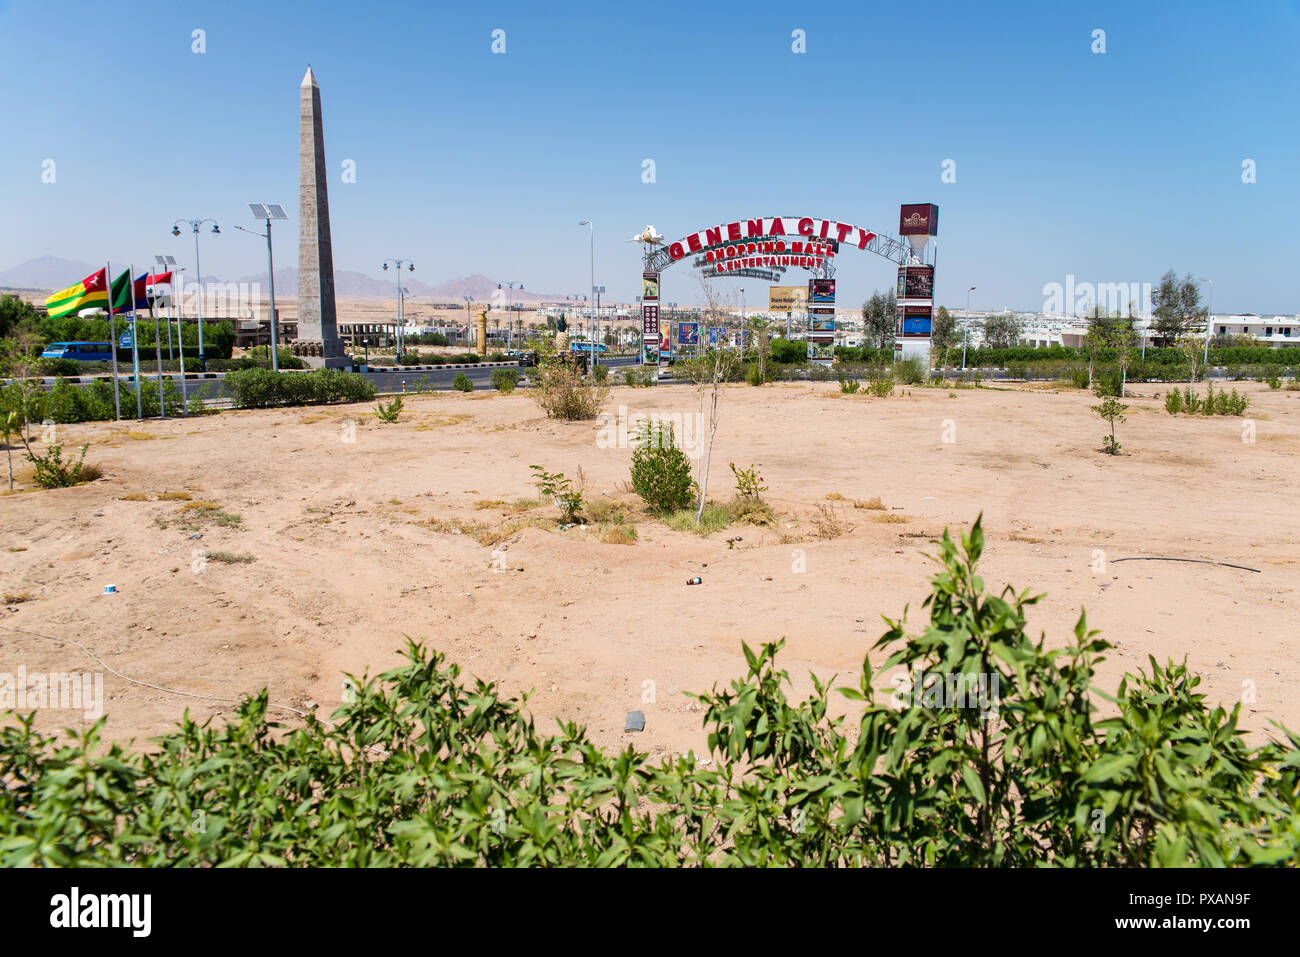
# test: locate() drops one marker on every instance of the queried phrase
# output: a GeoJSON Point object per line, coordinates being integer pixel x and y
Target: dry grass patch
{"type": "Point", "coordinates": [619, 535]}
{"type": "Point", "coordinates": [827, 524]}
{"type": "Point", "coordinates": [749, 511]}
{"type": "Point", "coordinates": [889, 518]}
{"type": "Point", "coordinates": [230, 558]}
{"type": "Point", "coordinates": [607, 510]}
{"type": "Point", "coordinates": [135, 497]}
{"type": "Point", "coordinates": [16, 548]}
{"type": "Point", "coordinates": [482, 533]}
{"type": "Point", "coordinates": [834, 497]}
{"type": "Point", "coordinates": [174, 496]}
{"type": "Point", "coordinates": [18, 598]}
{"type": "Point", "coordinates": [874, 504]}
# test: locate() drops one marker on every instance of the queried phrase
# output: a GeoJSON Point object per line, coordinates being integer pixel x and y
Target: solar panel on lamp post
{"type": "Point", "coordinates": [269, 212]}
{"type": "Point", "coordinates": [397, 265]}
{"type": "Point", "coordinates": [169, 264]}
{"type": "Point", "coordinates": [198, 274]}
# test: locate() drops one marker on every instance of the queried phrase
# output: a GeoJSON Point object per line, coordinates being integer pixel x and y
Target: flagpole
{"type": "Point", "coordinates": [157, 342]}
{"type": "Point", "coordinates": [135, 339]}
{"type": "Point", "coordinates": [112, 334]}
{"type": "Point", "coordinates": [180, 310]}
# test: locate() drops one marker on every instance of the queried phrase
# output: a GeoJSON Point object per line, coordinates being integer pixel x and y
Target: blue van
{"type": "Point", "coordinates": [78, 351]}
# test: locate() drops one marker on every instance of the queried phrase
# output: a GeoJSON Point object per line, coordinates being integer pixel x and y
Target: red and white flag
{"type": "Point", "coordinates": [158, 288]}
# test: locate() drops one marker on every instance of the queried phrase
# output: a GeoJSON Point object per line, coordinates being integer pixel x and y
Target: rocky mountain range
{"type": "Point", "coordinates": [51, 273]}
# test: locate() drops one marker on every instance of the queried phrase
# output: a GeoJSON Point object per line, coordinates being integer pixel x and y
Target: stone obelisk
{"type": "Point", "coordinates": [318, 335]}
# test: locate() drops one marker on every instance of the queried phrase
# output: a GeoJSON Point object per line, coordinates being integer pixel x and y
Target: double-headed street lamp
{"type": "Point", "coordinates": [269, 212]}
{"type": "Point", "coordinates": [198, 275]}
{"type": "Point", "coordinates": [592, 226]}
{"type": "Point", "coordinates": [1209, 321]}
{"type": "Point", "coordinates": [401, 331]}
{"type": "Point", "coordinates": [964, 326]}
{"type": "Point", "coordinates": [512, 286]}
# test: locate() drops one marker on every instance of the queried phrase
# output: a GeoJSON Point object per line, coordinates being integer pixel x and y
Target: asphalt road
{"type": "Point", "coordinates": [384, 382]}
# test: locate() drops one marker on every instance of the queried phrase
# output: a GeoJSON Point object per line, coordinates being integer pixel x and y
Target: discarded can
{"type": "Point", "coordinates": [110, 589]}
{"type": "Point", "coordinates": [694, 581]}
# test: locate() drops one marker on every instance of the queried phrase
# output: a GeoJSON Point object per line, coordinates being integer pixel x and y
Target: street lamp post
{"type": "Point", "coordinates": [965, 326]}
{"type": "Point", "coordinates": [1209, 322]}
{"type": "Point", "coordinates": [592, 226]}
{"type": "Point", "coordinates": [198, 275]}
{"type": "Point", "coordinates": [401, 331]}
{"type": "Point", "coordinates": [269, 212]}
{"type": "Point", "coordinates": [510, 305]}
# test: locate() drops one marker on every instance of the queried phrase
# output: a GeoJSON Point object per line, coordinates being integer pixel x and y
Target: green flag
{"type": "Point", "coordinates": [120, 294]}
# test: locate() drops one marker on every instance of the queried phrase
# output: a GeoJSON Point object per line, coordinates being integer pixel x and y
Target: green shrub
{"type": "Point", "coordinates": [1107, 382]}
{"type": "Point", "coordinates": [661, 472]}
{"type": "Point", "coordinates": [788, 352]}
{"type": "Point", "coordinates": [505, 380]}
{"type": "Point", "coordinates": [389, 413]}
{"type": "Point", "coordinates": [991, 754]}
{"type": "Point", "coordinates": [559, 488]}
{"type": "Point", "coordinates": [752, 374]}
{"type": "Point", "coordinates": [462, 383]}
{"type": "Point", "coordinates": [849, 386]}
{"type": "Point", "coordinates": [601, 373]}
{"type": "Point", "coordinates": [563, 392]}
{"type": "Point", "coordinates": [52, 471]}
{"type": "Point", "coordinates": [1174, 402]}
{"type": "Point", "coordinates": [910, 371]}
{"type": "Point", "coordinates": [880, 386]}
{"type": "Point", "coordinates": [263, 389]}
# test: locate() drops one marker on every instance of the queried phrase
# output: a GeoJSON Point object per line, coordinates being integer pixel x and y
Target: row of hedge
{"type": "Point", "coordinates": [415, 359]}
{"type": "Point", "coordinates": [262, 388]}
{"type": "Point", "coordinates": [218, 337]}
{"type": "Point", "coordinates": [66, 403]}
{"type": "Point", "coordinates": [71, 367]}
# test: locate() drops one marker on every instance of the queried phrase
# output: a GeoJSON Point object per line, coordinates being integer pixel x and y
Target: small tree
{"type": "Point", "coordinates": [1193, 351]}
{"type": "Point", "coordinates": [661, 472]}
{"type": "Point", "coordinates": [943, 334]}
{"type": "Point", "coordinates": [9, 425]}
{"type": "Point", "coordinates": [1112, 410]}
{"type": "Point", "coordinates": [762, 327]}
{"type": "Point", "coordinates": [1176, 306]}
{"type": "Point", "coordinates": [880, 318]}
{"type": "Point", "coordinates": [1001, 331]}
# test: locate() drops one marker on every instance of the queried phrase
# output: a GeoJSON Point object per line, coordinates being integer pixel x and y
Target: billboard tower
{"type": "Point", "coordinates": [918, 223]}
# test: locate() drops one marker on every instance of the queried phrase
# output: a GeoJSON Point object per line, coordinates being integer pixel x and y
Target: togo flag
{"type": "Point", "coordinates": [90, 293]}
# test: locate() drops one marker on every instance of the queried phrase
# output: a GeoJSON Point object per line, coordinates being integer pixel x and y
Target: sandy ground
{"type": "Point", "coordinates": [356, 547]}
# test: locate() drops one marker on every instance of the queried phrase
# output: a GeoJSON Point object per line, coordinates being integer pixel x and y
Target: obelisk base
{"type": "Point", "coordinates": [319, 354]}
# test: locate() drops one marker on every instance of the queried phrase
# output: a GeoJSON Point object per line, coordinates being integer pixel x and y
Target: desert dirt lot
{"type": "Point", "coordinates": [358, 544]}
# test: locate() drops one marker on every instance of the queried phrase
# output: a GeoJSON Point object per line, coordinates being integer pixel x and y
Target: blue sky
{"type": "Point", "coordinates": [1112, 167]}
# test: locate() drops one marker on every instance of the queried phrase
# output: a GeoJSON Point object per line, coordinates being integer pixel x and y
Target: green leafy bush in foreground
{"type": "Point", "coordinates": [423, 768]}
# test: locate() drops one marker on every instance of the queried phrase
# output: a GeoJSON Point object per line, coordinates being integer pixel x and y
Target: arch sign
{"type": "Point", "coordinates": [763, 248]}
{"type": "Point", "coordinates": [776, 243]}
